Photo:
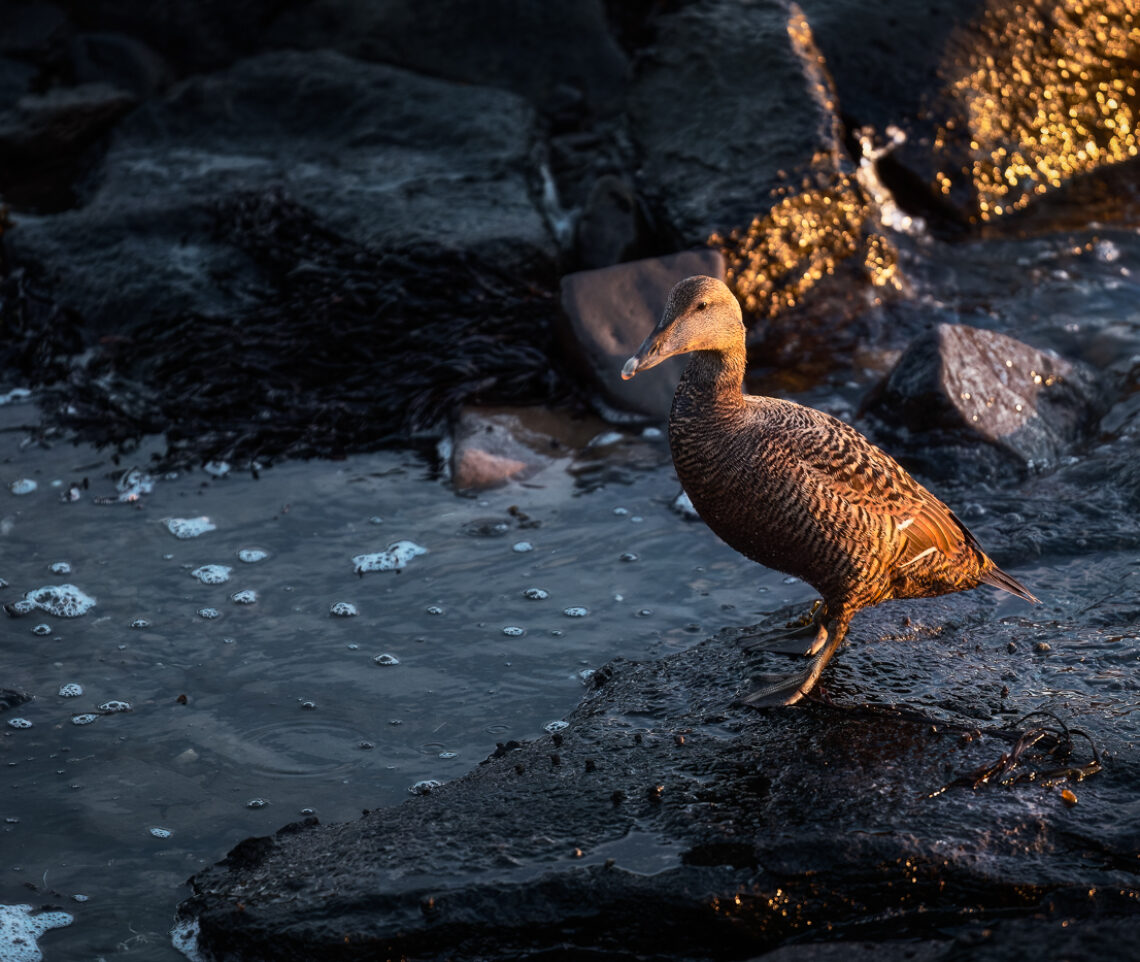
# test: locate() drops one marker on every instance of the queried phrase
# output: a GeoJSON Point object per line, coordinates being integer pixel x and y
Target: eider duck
{"type": "Point", "coordinates": [798, 490]}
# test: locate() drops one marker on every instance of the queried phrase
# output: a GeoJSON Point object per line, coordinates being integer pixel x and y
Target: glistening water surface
{"type": "Point", "coordinates": [239, 723]}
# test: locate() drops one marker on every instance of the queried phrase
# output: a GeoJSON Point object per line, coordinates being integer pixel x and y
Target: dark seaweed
{"type": "Point", "coordinates": [350, 348]}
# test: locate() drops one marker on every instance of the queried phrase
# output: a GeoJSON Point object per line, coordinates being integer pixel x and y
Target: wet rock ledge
{"type": "Point", "coordinates": [664, 822]}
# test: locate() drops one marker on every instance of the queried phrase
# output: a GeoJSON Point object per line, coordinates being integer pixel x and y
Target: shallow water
{"type": "Point", "coordinates": [284, 702]}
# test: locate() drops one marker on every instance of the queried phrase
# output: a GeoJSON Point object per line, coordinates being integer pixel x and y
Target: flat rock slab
{"type": "Point", "coordinates": [956, 386]}
{"type": "Point", "coordinates": [607, 313]}
{"type": "Point", "coordinates": [664, 821]}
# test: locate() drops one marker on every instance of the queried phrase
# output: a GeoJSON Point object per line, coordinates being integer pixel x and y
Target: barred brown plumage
{"type": "Point", "coordinates": [797, 489]}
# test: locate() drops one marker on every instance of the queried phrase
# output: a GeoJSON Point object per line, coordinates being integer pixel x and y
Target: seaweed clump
{"type": "Point", "coordinates": [346, 349]}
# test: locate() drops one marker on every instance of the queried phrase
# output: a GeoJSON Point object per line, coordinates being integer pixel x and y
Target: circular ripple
{"type": "Point", "coordinates": [305, 748]}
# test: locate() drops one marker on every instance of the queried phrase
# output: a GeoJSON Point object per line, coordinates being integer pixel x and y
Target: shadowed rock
{"type": "Point", "coordinates": [666, 821]}
{"type": "Point", "coordinates": [957, 386]}
{"type": "Point", "coordinates": [387, 158]}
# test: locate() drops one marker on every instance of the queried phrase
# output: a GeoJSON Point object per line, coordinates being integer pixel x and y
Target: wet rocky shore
{"type": "Point", "coordinates": [268, 232]}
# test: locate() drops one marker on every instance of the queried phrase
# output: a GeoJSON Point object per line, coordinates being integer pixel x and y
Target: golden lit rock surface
{"type": "Point", "coordinates": [1047, 90]}
{"type": "Point", "coordinates": [818, 218]}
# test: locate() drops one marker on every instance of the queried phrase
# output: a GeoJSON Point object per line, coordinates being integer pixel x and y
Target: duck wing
{"type": "Point", "coordinates": [851, 468]}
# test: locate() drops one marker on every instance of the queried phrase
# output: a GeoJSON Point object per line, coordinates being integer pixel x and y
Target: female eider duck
{"type": "Point", "coordinates": [798, 490]}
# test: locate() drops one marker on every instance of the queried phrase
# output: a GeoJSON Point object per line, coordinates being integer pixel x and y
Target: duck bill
{"type": "Point", "coordinates": [652, 352]}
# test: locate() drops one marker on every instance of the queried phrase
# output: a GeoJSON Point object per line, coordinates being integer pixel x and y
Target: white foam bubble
{"type": "Point", "coordinates": [247, 596]}
{"type": "Point", "coordinates": [23, 486]}
{"type": "Point", "coordinates": [115, 706]}
{"type": "Point", "coordinates": [183, 528]}
{"type": "Point", "coordinates": [70, 690]}
{"type": "Point", "coordinates": [212, 574]}
{"type": "Point", "coordinates": [575, 611]}
{"type": "Point", "coordinates": [158, 832]}
{"type": "Point", "coordinates": [555, 726]}
{"type": "Point", "coordinates": [20, 930]}
{"type": "Point", "coordinates": [395, 558]}
{"type": "Point", "coordinates": [19, 723]}
{"type": "Point", "coordinates": [61, 568]}
{"type": "Point", "coordinates": [522, 546]}
{"type": "Point", "coordinates": [63, 601]}
{"type": "Point", "coordinates": [343, 609]}
{"type": "Point", "coordinates": [252, 555]}
{"type": "Point", "coordinates": [386, 659]}
{"type": "Point", "coordinates": [184, 938]}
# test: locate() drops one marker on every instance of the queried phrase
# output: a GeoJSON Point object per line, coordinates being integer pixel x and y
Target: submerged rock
{"type": "Point", "coordinates": [957, 386]}
{"type": "Point", "coordinates": [490, 447]}
{"type": "Point", "coordinates": [663, 819]}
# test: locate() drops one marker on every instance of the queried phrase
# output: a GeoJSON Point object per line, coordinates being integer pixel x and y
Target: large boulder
{"type": "Point", "coordinates": [664, 819]}
{"type": "Point", "coordinates": [967, 402]}
{"type": "Point", "coordinates": [43, 138]}
{"type": "Point", "coordinates": [383, 157]}
{"type": "Point", "coordinates": [728, 103]}
{"type": "Point", "coordinates": [558, 53]}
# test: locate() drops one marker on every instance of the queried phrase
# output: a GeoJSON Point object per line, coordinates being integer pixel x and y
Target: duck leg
{"type": "Point", "coordinates": [792, 640]}
{"type": "Point", "coordinates": [788, 689]}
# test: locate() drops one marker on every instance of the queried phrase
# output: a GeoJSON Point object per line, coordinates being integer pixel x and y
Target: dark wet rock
{"type": "Point", "coordinates": [889, 66]}
{"type": "Point", "coordinates": [966, 402]}
{"type": "Point", "coordinates": [15, 80]}
{"type": "Point", "coordinates": [120, 60]}
{"type": "Point", "coordinates": [609, 228]}
{"type": "Point", "coordinates": [557, 54]}
{"type": "Point", "coordinates": [606, 315]}
{"type": "Point", "coordinates": [43, 136]}
{"type": "Point", "coordinates": [719, 81]}
{"type": "Point", "coordinates": [13, 698]}
{"type": "Point", "coordinates": [191, 35]}
{"type": "Point", "coordinates": [384, 157]}
{"type": "Point", "coordinates": [673, 820]}
{"type": "Point", "coordinates": [32, 30]}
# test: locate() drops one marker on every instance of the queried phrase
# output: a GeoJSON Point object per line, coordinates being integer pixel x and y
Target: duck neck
{"type": "Point", "coordinates": [713, 382]}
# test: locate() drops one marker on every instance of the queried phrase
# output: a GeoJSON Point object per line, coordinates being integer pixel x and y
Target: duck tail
{"type": "Point", "coordinates": [999, 579]}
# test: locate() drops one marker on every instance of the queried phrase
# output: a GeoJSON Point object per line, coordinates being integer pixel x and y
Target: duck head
{"type": "Point", "coordinates": [702, 314]}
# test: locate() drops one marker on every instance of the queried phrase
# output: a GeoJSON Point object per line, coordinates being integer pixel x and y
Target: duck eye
{"type": "Point", "coordinates": [702, 305]}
